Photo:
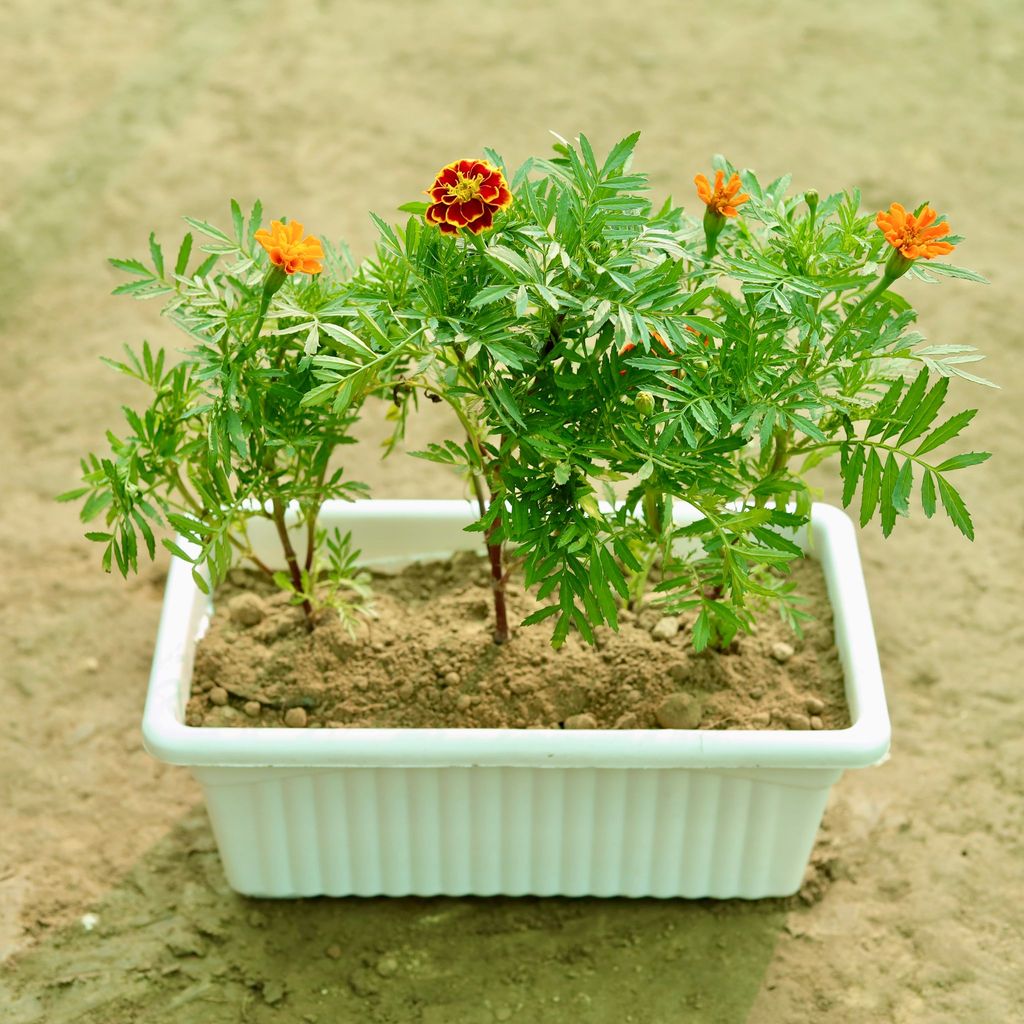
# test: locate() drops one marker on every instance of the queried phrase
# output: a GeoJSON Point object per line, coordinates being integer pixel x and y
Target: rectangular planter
{"type": "Point", "coordinates": [396, 812]}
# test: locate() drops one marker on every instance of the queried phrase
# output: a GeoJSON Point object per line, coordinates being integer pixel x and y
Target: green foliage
{"type": "Point", "coordinates": [591, 346]}
{"type": "Point", "coordinates": [225, 436]}
{"type": "Point", "coordinates": [333, 580]}
{"type": "Point", "coordinates": [587, 345]}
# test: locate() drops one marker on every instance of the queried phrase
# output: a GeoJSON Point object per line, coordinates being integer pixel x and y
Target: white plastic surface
{"type": "Point", "coordinates": [486, 811]}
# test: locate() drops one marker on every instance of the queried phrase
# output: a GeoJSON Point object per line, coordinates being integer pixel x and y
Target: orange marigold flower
{"type": "Point", "coordinates": [465, 194]}
{"type": "Point", "coordinates": [723, 198]}
{"type": "Point", "coordinates": [629, 346]}
{"type": "Point", "coordinates": [288, 250]}
{"type": "Point", "coordinates": [915, 237]}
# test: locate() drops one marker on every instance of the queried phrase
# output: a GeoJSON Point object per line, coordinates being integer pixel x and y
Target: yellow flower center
{"type": "Point", "coordinates": [465, 188]}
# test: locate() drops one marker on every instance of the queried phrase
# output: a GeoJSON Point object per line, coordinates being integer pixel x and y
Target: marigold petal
{"type": "Point", "coordinates": [455, 214]}
{"type": "Point", "coordinates": [435, 214]}
{"type": "Point", "coordinates": [483, 222]}
{"type": "Point", "coordinates": [473, 209]}
{"type": "Point", "coordinates": [448, 229]}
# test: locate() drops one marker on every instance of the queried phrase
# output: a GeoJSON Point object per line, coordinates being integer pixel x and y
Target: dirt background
{"type": "Point", "coordinates": [117, 117]}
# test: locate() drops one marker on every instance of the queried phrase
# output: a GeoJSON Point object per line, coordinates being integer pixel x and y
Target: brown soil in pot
{"type": "Point", "coordinates": [427, 660]}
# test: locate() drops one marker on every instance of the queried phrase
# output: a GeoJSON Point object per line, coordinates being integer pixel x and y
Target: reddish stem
{"type": "Point", "coordinates": [292, 559]}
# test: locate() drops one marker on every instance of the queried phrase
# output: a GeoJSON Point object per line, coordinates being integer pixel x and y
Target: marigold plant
{"type": "Point", "coordinates": [610, 363]}
{"type": "Point", "coordinates": [225, 438]}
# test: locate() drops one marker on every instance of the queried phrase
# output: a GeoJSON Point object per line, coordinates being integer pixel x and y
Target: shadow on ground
{"type": "Point", "coordinates": [172, 943]}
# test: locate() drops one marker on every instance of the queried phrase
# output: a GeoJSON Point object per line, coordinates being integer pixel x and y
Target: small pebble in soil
{"type": "Point", "coordinates": [782, 652]}
{"type": "Point", "coordinates": [678, 672]}
{"type": "Point", "coordinates": [816, 722]}
{"type": "Point", "coordinates": [252, 708]}
{"type": "Point", "coordinates": [363, 982]}
{"type": "Point", "coordinates": [582, 721]}
{"type": "Point", "coordinates": [665, 628]}
{"type": "Point", "coordinates": [679, 711]}
{"type": "Point", "coordinates": [386, 966]}
{"type": "Point", "coordinates": [452, 679]}
{"type": "Point", "coordinates": [333, 951]}
{"type": "Point", "coordinates": [814, 706]}
{"type": "Point", "coordinates": [761, 719]}
{"type": "Point", "coordinates": [90, 665]}
{"type": "Point", "coordinates": [273, 992]}
{"type": "Point", "coordinates": [194, 719]}
{"type": "Point", "coordinates": [295, 718]}
{"type": "Point", "coordinates": [463, 701]}
{"type": "Point", "coordinates": [795, 720]}
{"type": "Point", "coordinates": [756, 692]}
{"type": "Point", "coordinates": [522, 685]}
{"type": "Point", "coordinates": [246, 610]}
{"type": "Point", "coordinates": [219, 696]}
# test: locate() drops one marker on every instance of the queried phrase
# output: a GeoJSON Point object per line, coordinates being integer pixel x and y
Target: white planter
{"type": "Point", "coordinates": [396, 812]}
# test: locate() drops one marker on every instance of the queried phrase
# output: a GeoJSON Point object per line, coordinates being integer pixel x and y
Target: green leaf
{"type": "Point", "coordinates": [888, 508]}
{"type": "Point", "coordinates": [175, 550]}
{"type": "Point", "coordinates": [492, 293]}
{"type": "Point", "coordinates": [903, 488]}
{"type": "Point", "coordinates": [962, 461]}
{"type": "Point", "coordinates": [132, 267]}
{"type": "Point", "coordinates": [851, 473]}
{"type": "Point", "coordinates": [238, 221]}
{"type": "Point", "coordinates": [947, 431]}
{"type": "Point", "coordinates": [619, 155]}
{"type": "Point", "coordinates": [870, 487]}
{"type": "Point", "coordinates": [955, 508]}
{"type": "Point", "coordinates": [208, 229]}
{"type": "Point", "coordinates": [157, 255]}
{"type": "Point", "coordinates": [200, 582]}
{"type": "Point", "coordinates": [645, 470]}
{"type": "Point", "coordinates": [72, 495]}
{"type": "Point", "coordinates": [928, 494]}
{"type": "Point", "coordinates": [926, 412]}
{"type": "Point", "coordinates": [416, 209]}
{"type": "Point", "coordinates": [947, 270]}
{"type": "Point", "coordinates": [540, 615]}
{"type": "Point", "coordinates": [701, 634]}
{"type": "Point", "coordinates": [99, 536]}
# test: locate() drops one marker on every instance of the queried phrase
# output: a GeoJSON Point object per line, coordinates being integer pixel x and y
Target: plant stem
{"type": "Point", "coordinates": [781, 456]}
{"type": "Point", "coordinates": [494, 551]}
{"type": "Point", "coordinates": [293, 562]}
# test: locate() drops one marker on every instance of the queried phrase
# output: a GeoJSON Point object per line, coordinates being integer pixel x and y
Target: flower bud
{"type": "Point", "coordinates": [897, 265]}
{"type": "Point", "coordinates": [713, 224]}
{"type": "Point", "coordinates": [644, 403]}
{"type": "Point", "coordinates": [811, 199]}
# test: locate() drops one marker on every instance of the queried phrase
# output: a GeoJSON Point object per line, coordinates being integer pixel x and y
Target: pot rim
{"type": "Point", "coordinates": [831, 540]}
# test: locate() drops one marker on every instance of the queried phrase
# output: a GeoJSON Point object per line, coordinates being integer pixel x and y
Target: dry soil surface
{"type": "Point", "coordinates": [117, 118]}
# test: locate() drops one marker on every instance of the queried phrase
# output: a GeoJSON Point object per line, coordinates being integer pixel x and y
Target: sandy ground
{"type": "Point", "coordinates": [117, 117]}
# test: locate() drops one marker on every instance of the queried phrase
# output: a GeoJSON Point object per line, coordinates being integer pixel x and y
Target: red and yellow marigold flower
{"type": "Point", "coordinates": [723, 198]}
{"type": "Point", "coordinates": [914, 236]}
{"type": "Point", "coordinates": [466, 194]}
{"type": "Point", "coordinates": [288, 250]}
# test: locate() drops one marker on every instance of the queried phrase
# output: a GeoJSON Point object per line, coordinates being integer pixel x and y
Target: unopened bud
{"type": "Point", "coordinates": [644, 403]}
{"type": "Point", "coordinates": [811, 199]}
